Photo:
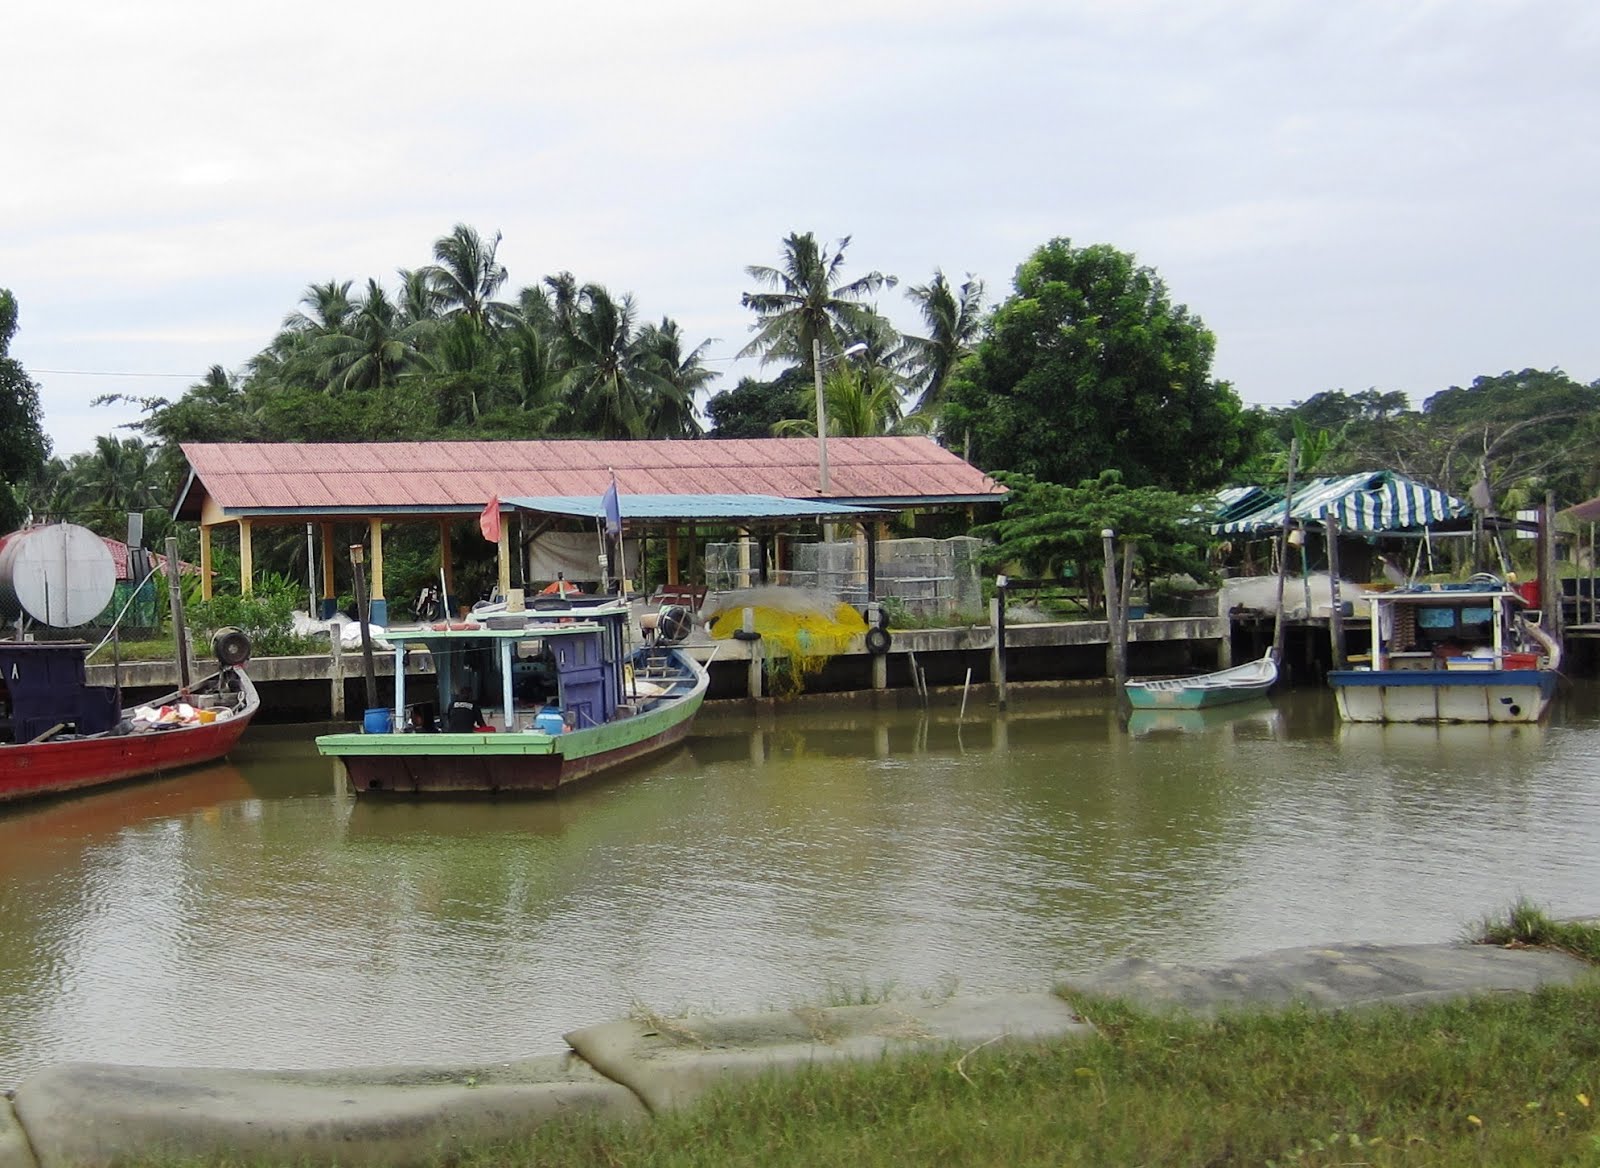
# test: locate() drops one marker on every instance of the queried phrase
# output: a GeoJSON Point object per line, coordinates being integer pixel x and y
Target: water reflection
{"type": "Point", "coordinates": [255, 915]}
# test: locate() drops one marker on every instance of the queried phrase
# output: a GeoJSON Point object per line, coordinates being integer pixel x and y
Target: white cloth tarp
{"type": "Point", "coordinates": [574, 555]}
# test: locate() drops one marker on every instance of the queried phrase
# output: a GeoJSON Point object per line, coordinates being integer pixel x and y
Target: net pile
{"type": "Point", "coordinates": [800, 627]}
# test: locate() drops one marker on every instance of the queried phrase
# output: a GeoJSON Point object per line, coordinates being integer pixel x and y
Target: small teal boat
{"type": "Point", "coordinates": [1224, 687]}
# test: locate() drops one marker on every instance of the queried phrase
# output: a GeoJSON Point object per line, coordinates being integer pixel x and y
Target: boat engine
{"type": "Point", "coordinates": [231, 646]}
{"type": "Point", "coordinates": [674, 624]}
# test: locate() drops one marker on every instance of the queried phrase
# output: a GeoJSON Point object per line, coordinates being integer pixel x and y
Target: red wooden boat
{"type": "Point", "coordinates": [58, 734]}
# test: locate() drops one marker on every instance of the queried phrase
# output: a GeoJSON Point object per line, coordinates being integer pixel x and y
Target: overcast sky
{"type": "Point", "coordinates": [1351, 195]}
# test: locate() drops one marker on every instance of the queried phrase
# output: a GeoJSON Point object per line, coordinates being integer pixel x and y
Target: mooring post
{"type": "Point", "coordinates": [336, 666]}
{"type": "Point", "coordinates": [998, 666]}
{"type": "Point", "coordinates": [1336, 613]}
{"type": "Point", "coordinates": [757, 653]}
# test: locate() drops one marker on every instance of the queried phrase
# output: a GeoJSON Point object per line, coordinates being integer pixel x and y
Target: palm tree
{"type": "Point", "coordinates": [863, 401]}
{"type": "Point", "coordinates": [954, 321]}
{"type": "Point", "coordinates": [670, 411]}
{"type": "Point", "coordinates": [609, 382]}
{"type": "Point", "coordinates": [376, 346]}
{"type": "Point", "coordinates": [467, 277]}
{"type": "Point", "coordinates": [419, 299]}
{"type": "Point", "coordinates": [328, 305]}
{"type": "Point", "coordinates": [807, 301]}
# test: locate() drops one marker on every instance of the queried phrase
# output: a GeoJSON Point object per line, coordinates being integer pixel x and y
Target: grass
{"type": "Point", "coordinates": [1526, 924]}
{"type": "Point", "coordinates": [1492, 1080]}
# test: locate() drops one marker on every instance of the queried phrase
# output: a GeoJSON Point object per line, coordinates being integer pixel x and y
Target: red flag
{"type": "Point", "coordinates": [489, 521]}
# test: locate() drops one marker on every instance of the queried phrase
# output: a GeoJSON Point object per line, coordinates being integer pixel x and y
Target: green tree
{"type": "Point", "coordinates": [670, 409]}
{"type": "Point", "coordinates": [467, 275]}
{"type": "Point", "coordinates": [751, 408]}
{"type": "Point", "coordinates": [954, 321]}
{"type": "Point", "coordinates": [1090, 366]}
{"type": "Point", "coordinates": [1051, 529]}
{"type": "Point", "coordinates": [807, 300]}
{"type": "Point", "coordinates": [374, 348]}
{"type": "Point", "coordinates": [23, 445]}
{"type": "Point", "coordinates": [862, 400]}
{"type": "Point", "coordinates": [609, 380]}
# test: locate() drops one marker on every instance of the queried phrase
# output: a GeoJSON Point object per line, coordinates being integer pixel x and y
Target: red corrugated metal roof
{"type": "Point", "coordinates": [297, 477]}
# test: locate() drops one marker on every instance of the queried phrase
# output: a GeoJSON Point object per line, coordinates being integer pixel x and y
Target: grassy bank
{"type": "Point", "coordinates": [1494, 1080]}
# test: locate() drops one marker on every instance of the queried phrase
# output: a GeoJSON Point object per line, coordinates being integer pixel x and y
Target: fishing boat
{"type": "Point", "coordinates": [60, 734]}
{"type": "Point", "coordinates": [554, 694]}
{"type": "Point", "coordinates": [1223, 687]}
{"type": "Point", "coordinates": [1451, 653]}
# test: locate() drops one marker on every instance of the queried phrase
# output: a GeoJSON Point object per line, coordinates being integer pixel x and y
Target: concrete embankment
{"type": "Point", "coordinates": [91, 1114]}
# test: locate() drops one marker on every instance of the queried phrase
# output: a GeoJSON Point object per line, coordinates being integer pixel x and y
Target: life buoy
{"type": "Point", "coordinates": [877, 641]}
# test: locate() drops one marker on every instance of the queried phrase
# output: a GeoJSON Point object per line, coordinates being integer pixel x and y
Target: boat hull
{"type": "Point", "coordinates": [35, 770]}
{"type": "Point", "coordinates": [1437, 695]}
{"type": "Point", "coordinates": [1142, 697]}
{"type": "Point", "coordinates": [408, 764]}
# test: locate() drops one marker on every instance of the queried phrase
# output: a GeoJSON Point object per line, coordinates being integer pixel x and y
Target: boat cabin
{"type": "Point", "coordinates": [1449, 627]}
{"type": "Point", "coordinates": [562, 661]}
{"type": "Point", "coordinates": [43, 687]}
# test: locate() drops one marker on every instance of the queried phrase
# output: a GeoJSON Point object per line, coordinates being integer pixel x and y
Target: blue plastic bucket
{"type": "Point", "coordinates": [379, 721]}
{"type": "Point", "coordinates": [549, 721]}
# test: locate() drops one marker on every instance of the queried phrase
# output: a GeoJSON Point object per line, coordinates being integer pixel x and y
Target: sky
{"type": "Point", "coordinates": [1398, 196]}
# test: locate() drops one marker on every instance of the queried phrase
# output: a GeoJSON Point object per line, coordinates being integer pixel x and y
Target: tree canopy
{"type": "Point", "coordinates": [1089, 366]}
{"type": "Point", "coordinates": [23, 445]}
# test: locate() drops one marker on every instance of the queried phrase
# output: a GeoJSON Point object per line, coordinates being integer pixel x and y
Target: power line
{"type": "Point", "coordinates": [108, 373]}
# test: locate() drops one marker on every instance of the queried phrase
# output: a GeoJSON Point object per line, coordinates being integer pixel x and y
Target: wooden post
{"type": "Point", "coordinates": [503, 561]}
{"type": "Point", "coordinates": [1550, 587]}
{"type": "Point", "coordinates": [1283, 551]}
{"type": "Point", "coordinates": [365, 618]}
{"type": "Point", "coordinates": [330, 595]}
{"type": "Point", "coordinates": [180, 633]}
{"type": "Point", "coordinates": [336, 668]}
{"type": "Point", "coordinates": [375, 594]}
{"type": "Point", "coordinates": [753, 679]}
{"type": "Point", "coordinates": [672, 554]}
{"type": "Point", "coordinates": [1336, 613]}
{"type": "Point", "coordinates": [998, 665]}
{"type": "Point", "coordinates": [447, 573]}
{"type": "Point", "coordinates": [1116, 662]}
{"type": "Point", "coordinates": [870, 531]}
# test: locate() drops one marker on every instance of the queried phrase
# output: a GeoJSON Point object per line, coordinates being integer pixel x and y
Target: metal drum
{"type": "Point", "coordinates": [62, 575]}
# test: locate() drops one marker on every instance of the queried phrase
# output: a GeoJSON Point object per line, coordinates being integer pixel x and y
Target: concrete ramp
{"type": "Point", "coordinates": [670, 1062]}
{"type": "Point", "coordinates": [1335, 976]}
{"type": "Point", "coordinates": [89, 1114]}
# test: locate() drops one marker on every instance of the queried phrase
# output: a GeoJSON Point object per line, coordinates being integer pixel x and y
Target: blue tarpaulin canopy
{"type": "Point", "coordinates": [690, 508]}
{"type": "Point", "coordinates": [1369, 502]}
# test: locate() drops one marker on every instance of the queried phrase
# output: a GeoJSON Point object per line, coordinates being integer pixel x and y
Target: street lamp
{"type": "Point", "coordinates": [822, 413]}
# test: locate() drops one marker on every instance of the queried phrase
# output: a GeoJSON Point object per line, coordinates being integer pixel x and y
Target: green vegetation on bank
{"type": "Point", "coordinates": [1487, 1081]}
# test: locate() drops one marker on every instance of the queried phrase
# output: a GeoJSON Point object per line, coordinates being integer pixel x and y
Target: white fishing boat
{"type": "Point", "coordinates": [1451, 653]}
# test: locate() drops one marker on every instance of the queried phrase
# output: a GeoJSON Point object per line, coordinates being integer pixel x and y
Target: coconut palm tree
{"type": "Point", "coordinates": [609, 381]}
{"type": "Point", "coordinates": [807, 301]}
{"type": "Point", "coordinates": [863, 401]}
{"type": "Point", "coordinates": [670, 411]}
{"type": "Point", "coordinates": [954, 319]}
{"type": "Point", "coordinates": [467, 276]}
{"type": "Point", "coordinates": [375, 347]}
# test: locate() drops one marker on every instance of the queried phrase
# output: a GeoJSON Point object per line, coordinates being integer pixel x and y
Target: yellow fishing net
{"type": "Point", "coordinates": [799, 628]}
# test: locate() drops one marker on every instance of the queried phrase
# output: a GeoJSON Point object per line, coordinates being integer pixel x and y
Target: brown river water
{"type": "Point", "coordinates": [254, 914]}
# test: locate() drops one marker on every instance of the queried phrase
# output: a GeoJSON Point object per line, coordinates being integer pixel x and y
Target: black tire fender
{"type": "Point", "coordinates": [877, 641]}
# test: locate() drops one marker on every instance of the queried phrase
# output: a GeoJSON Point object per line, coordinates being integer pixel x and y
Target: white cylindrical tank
{"type": "Point", "coordinates": [62, 575]}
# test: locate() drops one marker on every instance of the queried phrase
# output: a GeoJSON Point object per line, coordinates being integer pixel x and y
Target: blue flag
{"type": "Point", "coordinates": [613, 509]}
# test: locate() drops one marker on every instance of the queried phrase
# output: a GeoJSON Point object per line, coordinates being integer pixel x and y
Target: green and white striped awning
{"type": "Point", "coordinates": [1369, 502]}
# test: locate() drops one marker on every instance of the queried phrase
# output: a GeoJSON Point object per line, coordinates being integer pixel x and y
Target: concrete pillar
{"type": "Point", "coordinates": [880, 671]}
{"type": "Point", "coordinates": [447, 568]}
{"type": "Point", "coordinates": [247, 567]}
{"type": "Point", "coordinates": [330, 595]}
{"type": "Point", "coordinates": [376, 604]}
{"type": "Point", "coordinates": [205, 563]}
